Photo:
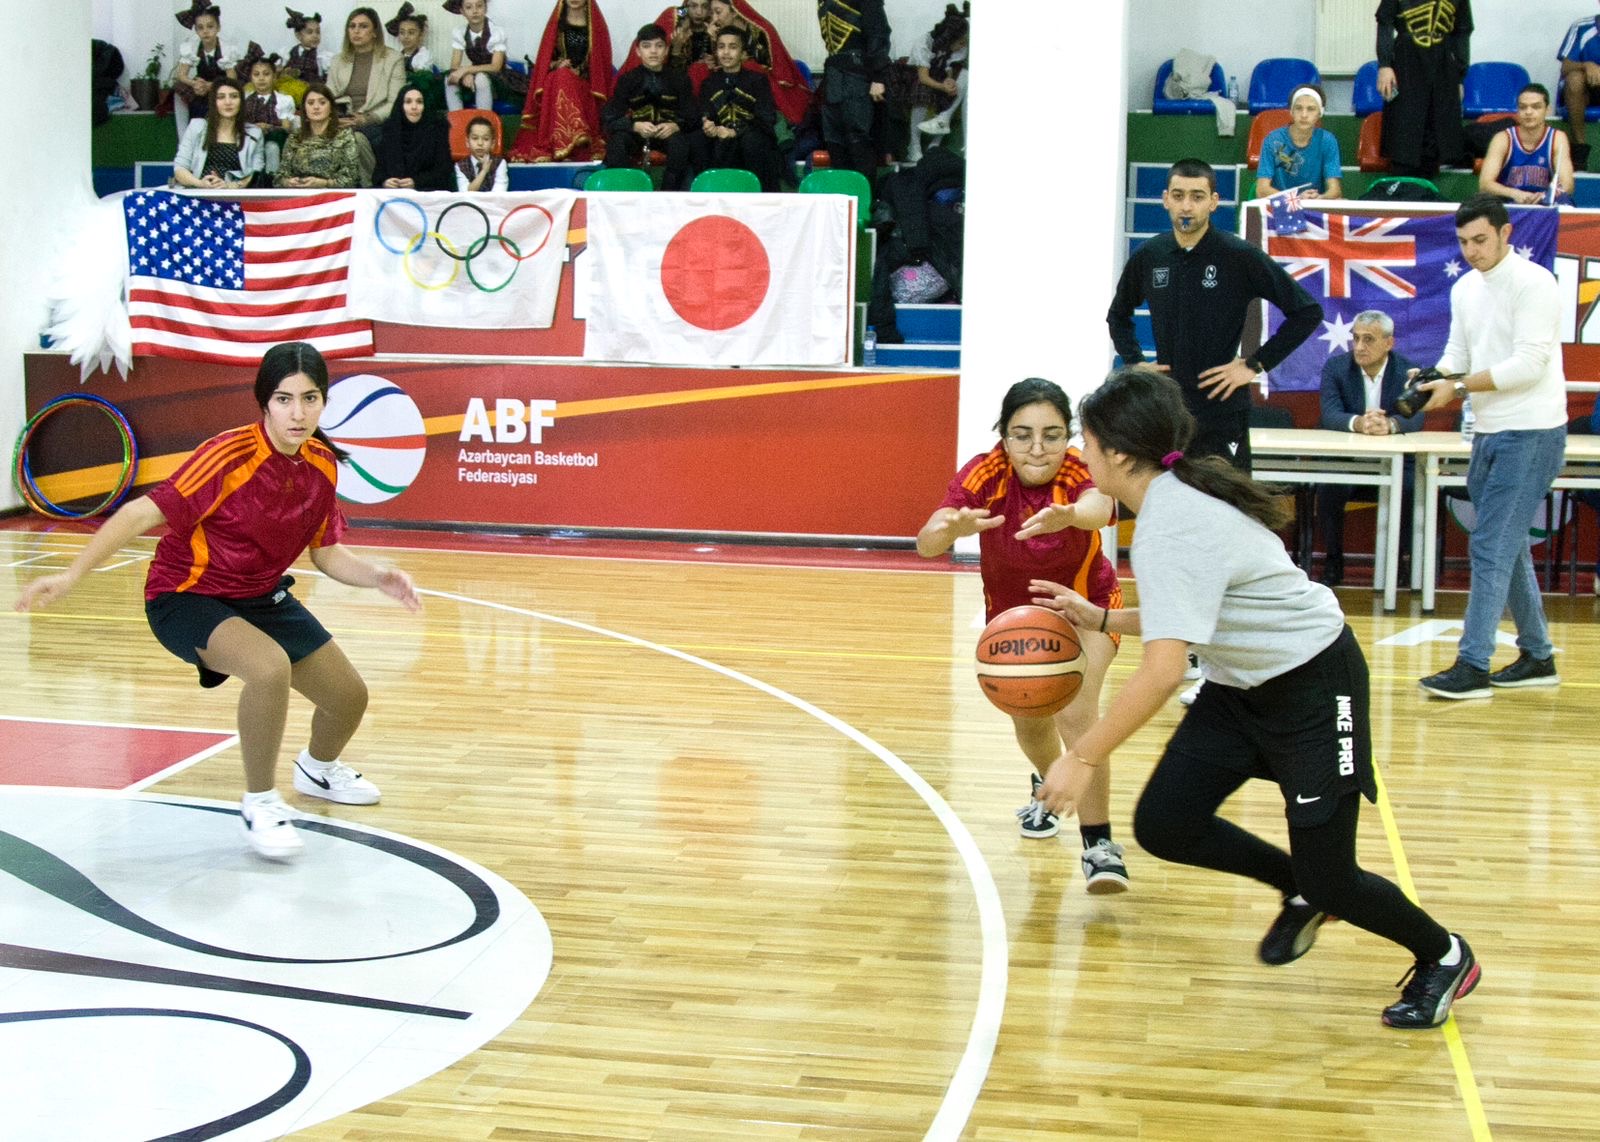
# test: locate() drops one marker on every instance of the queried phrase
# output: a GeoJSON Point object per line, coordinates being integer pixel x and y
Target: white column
{"type": "Point", "coordinates": [48, 188]}
{"type": "Point", "coordinates": [1046, 163]}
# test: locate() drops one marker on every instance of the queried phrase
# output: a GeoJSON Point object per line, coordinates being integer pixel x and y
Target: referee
{"type": "Point", "coordinates": [1199, 284]}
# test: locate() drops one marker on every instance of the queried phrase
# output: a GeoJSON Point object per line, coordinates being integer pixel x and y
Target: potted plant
{"type": "Point", "coordinates": [146, 87]}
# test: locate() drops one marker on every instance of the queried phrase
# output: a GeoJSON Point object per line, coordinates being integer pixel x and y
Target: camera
{"type": "Point", "coordinates": [1412, 398]}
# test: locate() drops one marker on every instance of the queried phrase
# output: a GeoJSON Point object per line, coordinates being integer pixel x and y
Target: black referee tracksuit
{"type": "Point", "coordinates": [1198, 301]}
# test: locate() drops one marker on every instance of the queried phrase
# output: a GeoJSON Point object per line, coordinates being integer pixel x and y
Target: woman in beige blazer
{"type": "Point", "coordinates": [385, 71]}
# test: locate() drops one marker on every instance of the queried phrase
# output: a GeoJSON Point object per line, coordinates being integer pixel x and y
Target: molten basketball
{"type": "Point", "coordinates": [1029, 662]}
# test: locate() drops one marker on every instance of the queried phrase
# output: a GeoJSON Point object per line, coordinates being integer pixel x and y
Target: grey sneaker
{"type": "Point", "coordinates": [1037, 821]}
{"type": "Point", "coordinates": [1104, 869]}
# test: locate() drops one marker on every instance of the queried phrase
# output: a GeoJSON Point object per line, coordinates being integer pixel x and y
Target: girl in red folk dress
{"type": "Point", "coordinates": [572, 76]}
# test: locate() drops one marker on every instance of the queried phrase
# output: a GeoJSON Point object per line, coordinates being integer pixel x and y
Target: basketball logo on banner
{"type": "Point", "coordinates": [434, 252]}
{"type": "Point", "coordinates": [381, 428]}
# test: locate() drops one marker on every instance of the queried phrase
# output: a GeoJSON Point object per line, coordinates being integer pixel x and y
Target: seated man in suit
{"type": "Point", "coordinates": [1358, 394]}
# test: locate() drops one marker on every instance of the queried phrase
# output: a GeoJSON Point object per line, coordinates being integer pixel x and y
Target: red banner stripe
{"type": "Point", "coordinates": [229, 336]}
{"type": "Point", "coordinates": [298, 254]}
{"type": "Point", "coordinates": [253, 229]}
{"type": "Point", "coordinates": [228, 309]}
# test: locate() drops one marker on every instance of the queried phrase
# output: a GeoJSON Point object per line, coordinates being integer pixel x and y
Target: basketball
{"type": "Point", "coordinates": [1029, 662]}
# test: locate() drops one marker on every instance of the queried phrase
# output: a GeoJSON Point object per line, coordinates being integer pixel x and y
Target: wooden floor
{"type": "Point", "coordinates": [768, 817]}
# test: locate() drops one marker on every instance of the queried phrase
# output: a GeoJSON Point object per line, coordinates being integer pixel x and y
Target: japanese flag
{"type": "Point", "coordinates": [720, 279]}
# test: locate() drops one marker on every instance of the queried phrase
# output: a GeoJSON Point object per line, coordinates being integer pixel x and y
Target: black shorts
{"type": "Point", "coordinates": [1309, 730]}
{"type": "Point", "coordinates": [182, 621]}
{"type": "Point", "coordinates": [1224, 432]}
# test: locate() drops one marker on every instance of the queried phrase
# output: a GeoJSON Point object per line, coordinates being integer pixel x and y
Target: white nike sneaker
{"type": "Point", "coordinates": [1188, 696]}
{"type": "Point", "coordinates": [336, 782]}
{"type": "Point", "coordinates": [269, 827]}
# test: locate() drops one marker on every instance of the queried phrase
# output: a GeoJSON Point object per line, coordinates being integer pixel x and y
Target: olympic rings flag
{"type": "Point", "coordinates": [465, 261]}
{"type": "Point", "coordinates": [720, 279]}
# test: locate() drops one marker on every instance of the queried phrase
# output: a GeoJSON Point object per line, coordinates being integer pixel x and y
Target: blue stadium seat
{"type": "Point", "coordinates": [1161, 105]}
{"type": "Point", "coordinates": [1491, 86]}
{"type": "Point", "coordinates": [1365, 97]}
{"type": "Point", "coordinates": [1273, 80]}
{"type": "Point", "coordinates": [805, 73]}
{"type": "Point", "coordinates": [506, 106]}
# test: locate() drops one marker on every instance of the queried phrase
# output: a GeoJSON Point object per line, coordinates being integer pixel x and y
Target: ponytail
{"type": "Point", "coordinates": [1140, 412]}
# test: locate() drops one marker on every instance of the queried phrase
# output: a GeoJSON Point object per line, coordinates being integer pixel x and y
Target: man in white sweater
{"type": "Point", "coordinates": [1504, 350]}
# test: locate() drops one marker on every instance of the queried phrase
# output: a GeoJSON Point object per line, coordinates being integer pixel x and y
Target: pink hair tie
{"type": "Point", "coordinates": [1170, 459]}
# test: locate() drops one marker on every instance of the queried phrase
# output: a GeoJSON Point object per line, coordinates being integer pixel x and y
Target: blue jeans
{"type": "Point", "coordinates": [1510, 473]}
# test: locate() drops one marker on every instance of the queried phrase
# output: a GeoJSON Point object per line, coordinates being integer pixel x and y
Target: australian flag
{"type": "Point", "coordinates": [1404, 266]}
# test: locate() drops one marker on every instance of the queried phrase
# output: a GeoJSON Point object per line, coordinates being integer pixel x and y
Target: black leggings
{"type": "Point", "coordinates": [1177, 820]}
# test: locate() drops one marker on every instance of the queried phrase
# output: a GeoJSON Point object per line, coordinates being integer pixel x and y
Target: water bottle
{"type": "Point", "coordinates": [869, 346]}
{"type": "Point", "coordinates": [1233, 89]}
{"type": "Point", "coordinates": [1468, 419]}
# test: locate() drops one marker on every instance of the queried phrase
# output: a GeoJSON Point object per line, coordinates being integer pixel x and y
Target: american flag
{"type": "Point", "coordinates": [213, 279]}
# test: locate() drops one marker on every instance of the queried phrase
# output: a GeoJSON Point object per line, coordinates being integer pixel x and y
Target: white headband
{"type": "Point", "coordinates": [1311, 91]}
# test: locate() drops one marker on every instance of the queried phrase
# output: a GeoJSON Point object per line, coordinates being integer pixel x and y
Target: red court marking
{"type": "Point", "coordinates": [76, 756]}
{"type": "Point", "coordinates": [715, 272]}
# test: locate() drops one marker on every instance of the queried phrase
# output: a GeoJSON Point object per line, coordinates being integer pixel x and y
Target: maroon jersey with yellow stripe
{"type": "Point", "coordinates": [240, 512]}
{"type": "Point", "coordinates": [1072, 557]}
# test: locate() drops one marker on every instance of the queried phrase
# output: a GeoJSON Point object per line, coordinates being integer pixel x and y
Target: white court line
{"type": "Point", "coordinates": [967, 1082]}
{"type": "Point", "coordinates": [180, 766]}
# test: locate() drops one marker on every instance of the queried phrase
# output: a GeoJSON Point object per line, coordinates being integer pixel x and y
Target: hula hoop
{"type": "Point", "coordinates": [22, 470]}
{"type": "Point", "coordinates": [477, 247]}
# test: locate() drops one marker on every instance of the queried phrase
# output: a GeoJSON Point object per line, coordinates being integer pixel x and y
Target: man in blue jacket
{"type": "Point", "coordinates": [1358, 394]}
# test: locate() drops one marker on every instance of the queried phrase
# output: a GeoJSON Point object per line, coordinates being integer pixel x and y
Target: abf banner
{"type": "Point", "coordinates": [720, 279]}
{"type": "Point", "coordinates": [464, 261]}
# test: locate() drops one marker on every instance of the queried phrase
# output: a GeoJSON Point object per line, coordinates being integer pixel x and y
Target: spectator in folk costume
{"type": "Point", "coordinates": [409, 28]}
{"type": "Point", "coordinates": [219, 152]}
{"type": "Point", "coordinates": [856, 36]}
{"type": "Point", "coordinates": [738, 116]}
{"type": "Point", "coordinates": [941, 62]}
{"type": "Point", "coordinates": [1531, 162]}
{"type": "Point", "coordinates": [1423, 53]}
{"type": "Point", "coordinates": [307, 61]}
{"type": "Point", "coordinates": [202, 59]}
{"type": "Point", "coordinates": [572, 77]}
{"type": "Point", "coordinates": [266, 107]}
{"type": "Point", "coordinates": [688, 31]}
{"type": "Point", "coordinates": [414, 152]}
{"type": "Point", "coordinates": [653, 107]}
{"type": "Point", "coordinates": [764, 51]}
{"type": "Point", "coordinates": [482, 169]}
{"type": "Point", "coordinates": [477, 56]}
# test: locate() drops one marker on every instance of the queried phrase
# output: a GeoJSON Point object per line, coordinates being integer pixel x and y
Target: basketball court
{"type": "Point", "coordinates": [759, 810]}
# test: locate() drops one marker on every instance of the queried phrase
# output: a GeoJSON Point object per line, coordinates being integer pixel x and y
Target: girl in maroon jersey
{"type": "Point", "coordinates": [239, 511]}
{"type": "Point", "coordinates": [1032, 505]}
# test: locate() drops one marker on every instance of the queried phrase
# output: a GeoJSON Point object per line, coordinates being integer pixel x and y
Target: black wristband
{"type": "Point", "coordinates": [1105, 613]}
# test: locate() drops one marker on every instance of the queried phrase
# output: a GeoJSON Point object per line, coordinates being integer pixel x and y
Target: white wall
{"type": "Point", "coordinates": [42, 200]}
{"type": "Point", "coordinates": [1526, 32]}
{"type": "Point", "coordinates": [136, 26]}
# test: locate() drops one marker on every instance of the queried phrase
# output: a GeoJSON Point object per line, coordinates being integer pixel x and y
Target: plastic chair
{"type": "Point", "coordinates": [805, 74]}
{"type": "Point", "coordinates": [831, 181]}
{"type": "Point", "coordinates": [1365, 98]}
{"type": "Point", "coordinates": [726, 180]}
{"type": "Point", "coordinates": [1272, 80]}
{"type": "Point", "coordinates": [1492, 86]}
{"type": "Point", "coordinates": [1369, 145]}
{"type": "Point", "coordinates": [458, 131]}
{"type": "Point", "coordinates": [506, 106]}
{"type": "Point", "coordinates": [617, 178]}
{"type": "Point", "coordinates": [1261, 126]}
{"type": "Point", "coordinates": [1161, 105]}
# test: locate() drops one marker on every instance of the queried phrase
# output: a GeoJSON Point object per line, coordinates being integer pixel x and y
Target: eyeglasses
{"type": "Point", "coordinates": [1050, 439]}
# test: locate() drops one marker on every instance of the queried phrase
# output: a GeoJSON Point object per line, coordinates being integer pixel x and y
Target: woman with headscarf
{"type": "Point", "coordinates": [414, 152]}
{"type": "Point", "coordinates": [572, 76]}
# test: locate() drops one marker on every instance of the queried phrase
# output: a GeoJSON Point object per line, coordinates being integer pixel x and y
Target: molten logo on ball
{"type": "Point", "coordinates": [1029, 662]}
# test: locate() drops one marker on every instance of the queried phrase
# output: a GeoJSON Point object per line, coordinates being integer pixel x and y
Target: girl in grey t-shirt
{"type": "Point", "coordinates": [1285, 699]}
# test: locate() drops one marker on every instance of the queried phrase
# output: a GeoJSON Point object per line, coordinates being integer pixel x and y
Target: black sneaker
{"type": "Point", "coordinates": [1037, 821]}
{"type": "Point", "coordinates": [1291, 934]}
{"type": "Point", "coordinates": [1104, 870]}
{"type": "Point", "coordinates": [1426, 1000]}
{"type": "Point", "coordinates": [1460, 681]}
{"type": "Point", "coordinates": [1527, 671]}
